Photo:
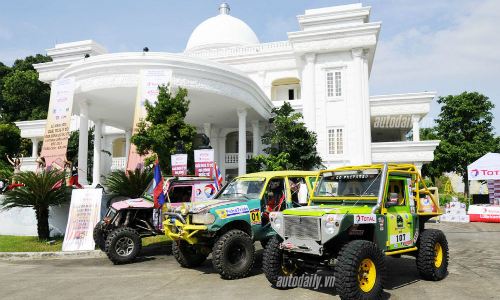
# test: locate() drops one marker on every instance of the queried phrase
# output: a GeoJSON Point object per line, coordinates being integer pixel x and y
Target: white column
{"type": "Point", "coordinates": [208, 129]}
{"type": "Point", "coordinates": [262, 79]}
{"type": "Point", "coordinates": [242, 141]}
{"type": "Point", "coordinates": [83, 145]}
{"type": "Point", "coordinates": [418, 165]}
{"type": "Point", "coordinates": [308, 92]}
{"type": "Point", "coordinates": [416, 127]}
{"type": "Point", "coordinates": [366, 110]}
{"type": "Point", "coordinates": [215, 144]}
{"type": "Point", "coordinates": [256, 137]}
{"type": "Point", "coordinates": [128, 135]}
{"type": "Point", "coordinates": [360, 114]}
{"type": "Point", "coordinates": [403, 133]}
{"type": "Point", "coordinates": [222, 156]}
{"type": "Point", "coordinates": [96, 175]}
{"type": "Point", "coordinates": [34, 149]}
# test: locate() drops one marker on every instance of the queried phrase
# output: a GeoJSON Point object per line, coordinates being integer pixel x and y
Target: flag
{"type": "Point", "coordinates": [217, 177]}
{"type": "Point", "coordinates": [158, 197]}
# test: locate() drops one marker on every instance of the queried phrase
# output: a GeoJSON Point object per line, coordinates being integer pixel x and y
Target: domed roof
{"type": "Point", "coordinates": [221, 31]}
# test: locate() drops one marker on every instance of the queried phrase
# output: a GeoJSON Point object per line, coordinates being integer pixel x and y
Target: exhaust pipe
{"type": "Point", "coordinates": [381, 190]}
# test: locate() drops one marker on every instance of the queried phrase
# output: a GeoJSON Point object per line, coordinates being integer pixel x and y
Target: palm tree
{"type": "Point", "coordinates": [130, 183]}
{"type": "Point", "coordinates": [38, 193]}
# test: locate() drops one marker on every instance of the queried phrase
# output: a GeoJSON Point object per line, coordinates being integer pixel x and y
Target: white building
{"type": "Point", "coordinates": [234, 81]}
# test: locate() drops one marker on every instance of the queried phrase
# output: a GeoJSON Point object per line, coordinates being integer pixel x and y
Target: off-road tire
{"type": "Point", "coordinates": [426, 254]}
{"type": "Point", "coordinates": [225, 254]}
{"type": "Point", "coordinates": [264, 243]}
{"type": "Point", "coordinates": [347, 270]}
{"type": "Point", "coordinates": [99, 236]}
{"type": "Point", "coordinates": [123, 245]}
{"type": "Point", "coordinates": [273, 264]}
{"type": "Point", "coordinates": [186, 255]}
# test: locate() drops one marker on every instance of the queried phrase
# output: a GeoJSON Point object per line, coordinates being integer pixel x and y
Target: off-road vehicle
{"type": "Point", "coordinates": [357, 216]}
{"type": "Point", "coordinates": [229, 224]}
{"type": "Point", "coordinates": [126, 222]}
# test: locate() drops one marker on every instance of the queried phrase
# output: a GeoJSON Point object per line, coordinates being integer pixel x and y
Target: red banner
{"type": "Point", "coordinates": [179, 164]}
{"type": "Point", "coordinates": [204, 162]}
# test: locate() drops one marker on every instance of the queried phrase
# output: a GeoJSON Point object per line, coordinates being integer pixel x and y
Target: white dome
{"type": "Point", "coordinates": [221, 31]}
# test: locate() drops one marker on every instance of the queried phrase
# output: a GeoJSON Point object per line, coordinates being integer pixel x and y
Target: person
{"type": "Point", "coordinates": [41, 165]}
{"type": "Point", "coordinates": [71, 173]}
{"type": "Point", "coordinates": [17, 166]}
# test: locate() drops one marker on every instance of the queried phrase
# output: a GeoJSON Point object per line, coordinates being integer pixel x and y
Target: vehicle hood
{"type": "Point", "coordinates": [205, 205]}
{"type": "Point", "coordinates": [321, 210]}
{"type": "Point", "coordinates": [135, 203]}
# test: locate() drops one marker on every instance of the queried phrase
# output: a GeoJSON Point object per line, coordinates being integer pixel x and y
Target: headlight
{"type": "Point", "coordinates": [202, 219]}
{"type": "Point", "coordinates": [277, 223]}
{"type": "Point", "coordinates": [184, 209]}
{"type": "Point", "coordinates": [330, 227]}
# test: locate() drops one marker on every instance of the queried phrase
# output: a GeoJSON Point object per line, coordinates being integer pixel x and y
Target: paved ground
{"type": "Point", "coordinates": [473, 274]}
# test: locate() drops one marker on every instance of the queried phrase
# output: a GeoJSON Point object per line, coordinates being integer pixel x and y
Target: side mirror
{"type": "Point", "coordinates": [393, 200]}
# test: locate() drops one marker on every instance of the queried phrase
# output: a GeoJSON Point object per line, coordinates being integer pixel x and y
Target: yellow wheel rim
{"type": "Point", "coordinates": [438, 255]}
{"type": "Point", "coordinates": [367, 275]}
{"type": "Point", "coordinates": [288, 271]}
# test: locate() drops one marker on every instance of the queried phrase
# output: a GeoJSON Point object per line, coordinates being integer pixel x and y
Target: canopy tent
{"type": "Point", "coordinates": [487, 167]}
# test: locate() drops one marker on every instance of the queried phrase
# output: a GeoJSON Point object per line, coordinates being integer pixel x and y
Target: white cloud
{"type": "Point", "coordinates": [468, 46]}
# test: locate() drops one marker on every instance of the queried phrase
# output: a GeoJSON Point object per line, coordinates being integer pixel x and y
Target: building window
{"type": "Point", "coordinates": [334, 84]}
{"type": "Point", "coordinates": [336, 141]}
{"type": "Point", "coordinates": [290, 94]}
{"type": "Point", "coordinates": [249, 146]}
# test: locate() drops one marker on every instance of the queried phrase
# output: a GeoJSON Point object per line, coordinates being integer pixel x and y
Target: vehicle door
{"type": "Point", "coordinates": [276, 196]}
{"type": "Point", "coordinates": [400, 227]}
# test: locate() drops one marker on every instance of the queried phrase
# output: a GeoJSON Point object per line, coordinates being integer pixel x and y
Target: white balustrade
{"type": "Point", "coordinates": [119, 163]}
{"type": "Point", "coordinates": [235, 51]}
{"type": "Point", "coordinates": [232, 158]}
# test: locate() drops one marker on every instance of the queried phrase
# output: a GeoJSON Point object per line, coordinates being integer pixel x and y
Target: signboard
{"type": "Point", "coordinates": [204, 191]}
{"type": "Point", "coordinates": [179, 164]}
{"type": "Point", "coordinates": [204, 162]}
{"type": "Point", "coordinates": [55, 140]}
{"type": "Point", "coordinates": [149, 80]}
{"type": "Point", "coordinates": [484, 213]}
{"type": "Point", "coordinates": [494, 191]}
{"type": "Point", "coordinates": [84, 213]}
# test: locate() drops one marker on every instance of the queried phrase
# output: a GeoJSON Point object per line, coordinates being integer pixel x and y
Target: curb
{"type": "Point", "coordinates": [51, 255]}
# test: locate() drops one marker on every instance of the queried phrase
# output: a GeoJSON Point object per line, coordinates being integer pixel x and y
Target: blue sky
{"type": "Point", "coordinates": [424, 45]}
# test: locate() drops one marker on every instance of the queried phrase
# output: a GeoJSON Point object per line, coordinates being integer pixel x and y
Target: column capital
{"type": "Point", "coordinates": [415, 118]}
{"type": "Point", "coordinates": [242, 112]}
{"type": "Point", "coordinates": [83, 103]}
{"type": "Point", "coordinates": [358, 52]}
{"type": "Point", "coordinates": [262, 73]}
{"type": "Point", "coordinates": [310, 58]}
{"type": "Point", "coordinates": [255, 123]}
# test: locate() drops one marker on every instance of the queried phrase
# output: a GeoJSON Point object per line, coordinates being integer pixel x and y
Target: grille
{"type": "Point", "coordinates": [305, 228]}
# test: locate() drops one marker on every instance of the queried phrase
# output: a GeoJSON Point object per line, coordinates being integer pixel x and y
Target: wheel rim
{"type": "Point", "coordinates": [124, 246]}
{"type": "Point", "coordinates": [367, 274]}
{"type": "Point", "coordinates": [438, 255]}
{"type": "Point", "coordinates": [236, 254]}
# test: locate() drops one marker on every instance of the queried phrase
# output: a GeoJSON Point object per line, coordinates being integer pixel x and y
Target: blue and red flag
{"type": "Point", "coordinates": [158, 196]}
{"type": "Point", "coordinates": [217, 177]}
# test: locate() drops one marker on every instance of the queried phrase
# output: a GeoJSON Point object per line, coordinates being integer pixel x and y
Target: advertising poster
{"type": "Point", "coordinates": [55, 140]}
{"type": "Point", "coordinates": [494, 191]}
{"type": "Point", "coordinates": [84, 213]}
{"type": "Point", "coordinates": [179, 164]}
{"type": "Point", "coordinates": [149, 80]}
{"type": "Point", "coordinates": [204, 162]}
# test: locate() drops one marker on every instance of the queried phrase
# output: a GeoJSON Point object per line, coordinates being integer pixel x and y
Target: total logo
{"type": "Point", "coordinates": [152, 84]}
{"type": "Point", "coordinates": [474, 173]}
{"type": "Point", "coordinates": [153, 92]}
{"type": "Point", "coordinates": [209, 190]}
{"type": "Point", "coordinates": [62, 99]}
{"type": "Point", "coordinates": [365, 219]}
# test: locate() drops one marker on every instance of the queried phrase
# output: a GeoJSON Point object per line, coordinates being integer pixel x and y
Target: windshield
{"type": "Point", "coordinates": [348, 185]}
{"type": "Point", "coordinates": [249, 188]}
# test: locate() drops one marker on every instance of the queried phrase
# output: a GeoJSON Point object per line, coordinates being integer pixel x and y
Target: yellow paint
{"type": "Point", "coordinates": [438, 255]}
{"type": "Point", "coordinates": [401, 251]}
{"type": "Point", "coordinates": [367, 275]}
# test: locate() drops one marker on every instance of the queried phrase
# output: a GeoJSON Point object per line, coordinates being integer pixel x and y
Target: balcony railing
{"type": "Point", "coordinates": [119, 163]}
{"type": "Point", "coordinates": [232, 158]}
{"type": "Point", "coordinates": [244, 50]}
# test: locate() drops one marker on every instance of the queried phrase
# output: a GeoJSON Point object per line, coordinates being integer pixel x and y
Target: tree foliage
{"type": "Point", "coordinates": [292, 146]}
{"type": "Point", "coordinates": [466, 132]}
{"type": "Point", "coordinates": [164, 126]}
{"type": "Point", "coordinates": [38, 193]}
{"type": "Point", "coordinates": [130, 183]}
{"type": "Point", "coordinates": [432, 169]}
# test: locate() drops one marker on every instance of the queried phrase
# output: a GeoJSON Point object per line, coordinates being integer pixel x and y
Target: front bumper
{"type": "Point", "coordinates": [178, 227]}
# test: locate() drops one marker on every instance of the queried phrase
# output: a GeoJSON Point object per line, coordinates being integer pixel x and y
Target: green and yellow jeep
{"type": "Point", "coordinates": [357, 216]}
{"type": "Point", "coordinates": [238, 215]}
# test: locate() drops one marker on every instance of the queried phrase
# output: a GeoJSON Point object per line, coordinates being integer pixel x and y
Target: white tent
{"type": "Point", "coordinates": [487, 167]}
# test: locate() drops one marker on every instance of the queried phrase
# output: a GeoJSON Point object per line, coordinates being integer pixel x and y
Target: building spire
{"type": "Point", "coordinates": [224, 9]}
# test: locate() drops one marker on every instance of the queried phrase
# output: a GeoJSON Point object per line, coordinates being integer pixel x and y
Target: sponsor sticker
{"type": "Point", "coordinates": [232, 211]}
{"type": "Point", "coordinates": [415, 237]}
{"type": "Point", "coordinates": [365, 219]}
{"type": "Point", "coordinates": [255, 216]}
{"type": "Point", "coordinates": [355, 231]}
{"type": "Point", "coordinates": [400, 238]}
